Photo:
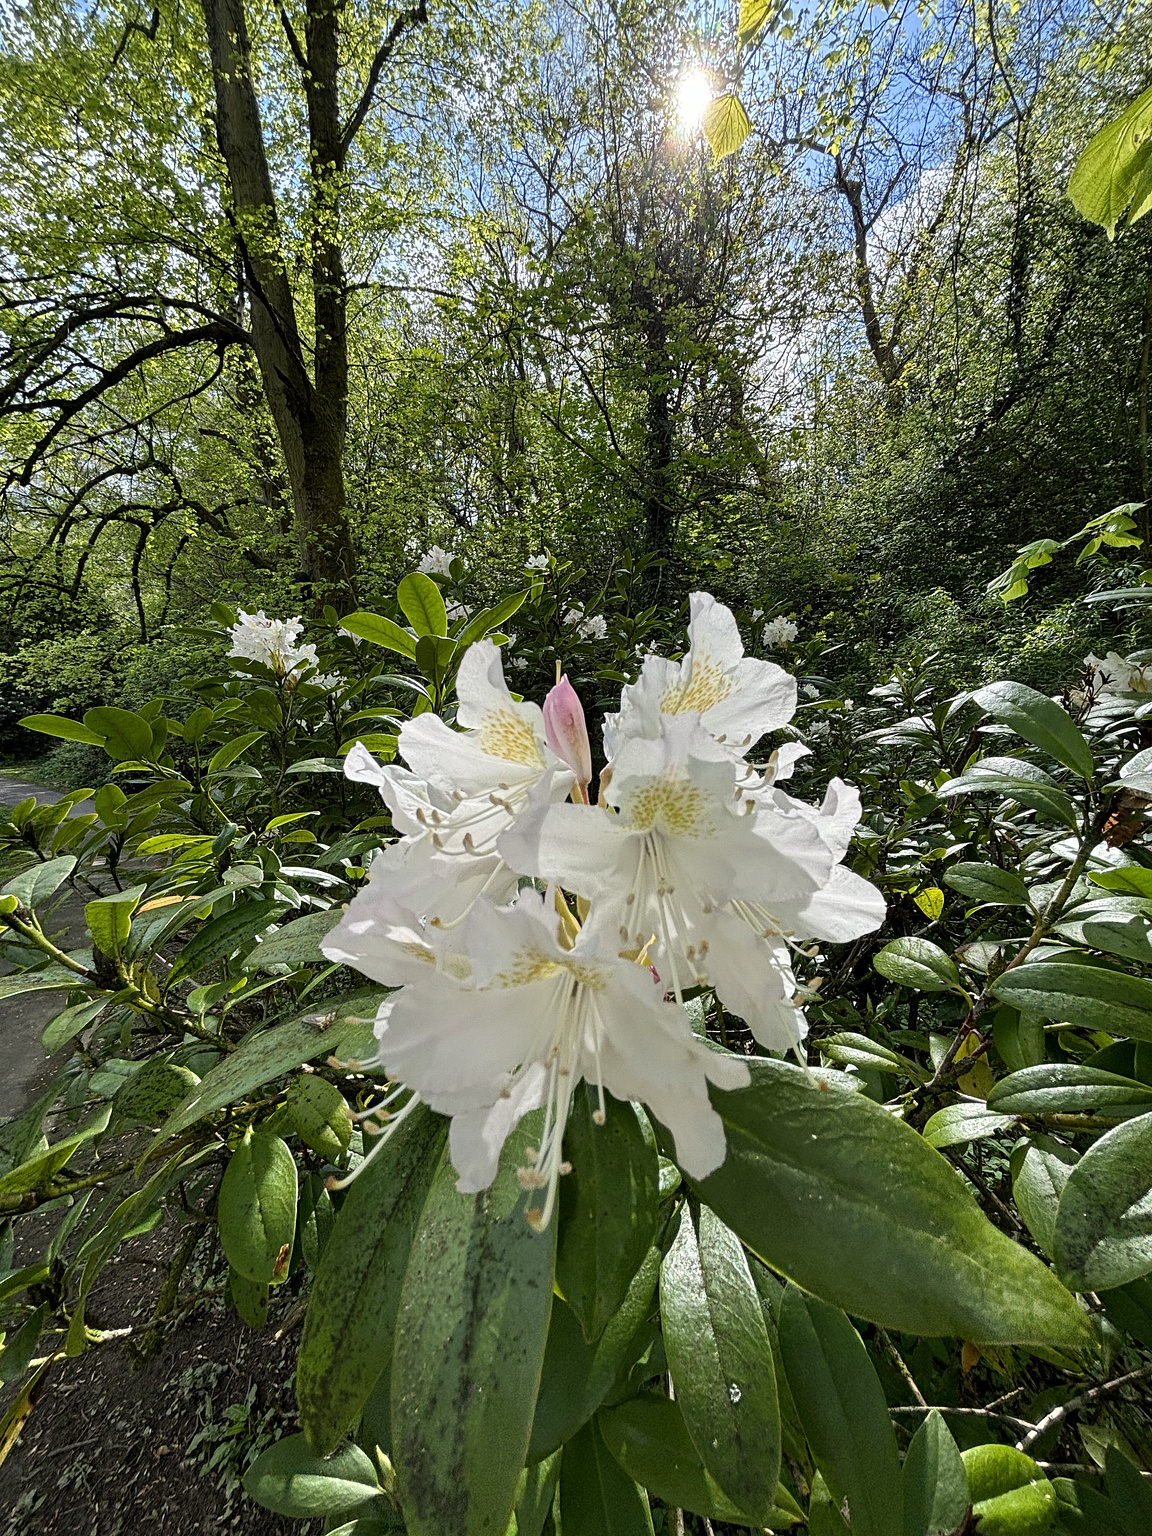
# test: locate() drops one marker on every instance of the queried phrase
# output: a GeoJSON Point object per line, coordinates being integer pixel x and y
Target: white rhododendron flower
{"type": "Point", "coordinates": [1115, 674]}
{"type": "Point", "coordinates": [255, 637]}
{"type": "Point", "coordinates": [779, 632]}
{"type": "Point", "coordinates": [594, 628]}
{"type": "Point", "coordinates": [537, 562]}
{"type": "Point", "coordinates": [736, 697]}
{"type": "Point", "coordinates": [436, 562]}
{"type": "Point", "coordinates": [691, 869]}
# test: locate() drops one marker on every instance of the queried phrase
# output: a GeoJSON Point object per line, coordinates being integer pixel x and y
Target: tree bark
{"type": "Point", "coordinates": [310, 417]}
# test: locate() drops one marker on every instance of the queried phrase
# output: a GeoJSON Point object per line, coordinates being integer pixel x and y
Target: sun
{"type": "Point", "coordinates": [693, 93]}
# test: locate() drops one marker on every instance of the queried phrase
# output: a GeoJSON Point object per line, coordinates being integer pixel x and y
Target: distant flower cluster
{"type": "Point", "coordinates": [437, 562]}
{"type": "Point", "coordinates": [778, 633]}
{"type": "Point", "coordinates": [255, 637]}
{"type": "Point", "coordinates": [587, 626]}
{"type": "Point", "coordinates": [1115, 674]}
{"type": "Point", "coordinates": [691, 869]}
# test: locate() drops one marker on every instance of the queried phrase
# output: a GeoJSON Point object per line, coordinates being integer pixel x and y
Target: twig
{"type": "Point", "coordinates": [977, 1413]}
{"type": "Point", "coordinates": [1058, 1415]}
{"type": "Point", "coordinates": [898, 1358]}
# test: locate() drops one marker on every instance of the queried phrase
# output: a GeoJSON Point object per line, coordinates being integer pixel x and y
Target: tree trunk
{"type": "Point", "coordinates": [310, 418]}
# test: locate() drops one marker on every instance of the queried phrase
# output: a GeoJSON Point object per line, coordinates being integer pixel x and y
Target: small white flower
{"type": "Point", "coordinates": [537, 563]}
{"type": "Point", "coordinates": [520, 663]}
{"type": "Point", "coordinates": [810, 691]}
{"type": "Point", "coordinates": [574, 616]}
{"type": "Point", "coordinates": [757, 613]}
{"type": "Point", "coordinates": [436, 562]}
{"type": "Point", "coordinates": [595, 628]}
{"type": "Point", "coordinates": [779, 632]}
{"type": "Point", "coordinates": [255, 637]}
{"type": "Point", "coordinates": [1113, 674]}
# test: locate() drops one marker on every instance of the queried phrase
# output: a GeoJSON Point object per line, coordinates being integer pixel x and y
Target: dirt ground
{"type": "Point", "coordinates": [118, 1448]}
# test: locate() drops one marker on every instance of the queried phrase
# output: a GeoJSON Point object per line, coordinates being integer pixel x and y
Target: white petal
{"type": "Point", "coordinates": [477, 1136]}
{"type": "Point", "coordinates": [754, 980]}
{"type": "Point", "coordinates": [846, 908]}
{"type": "Point", "coordinates": [582, 847]}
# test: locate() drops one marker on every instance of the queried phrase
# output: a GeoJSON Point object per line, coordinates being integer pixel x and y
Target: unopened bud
{"type": "Point", "coordinates": [567, 732]}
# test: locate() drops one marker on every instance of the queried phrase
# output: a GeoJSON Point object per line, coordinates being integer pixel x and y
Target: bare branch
{"type": "Point", "coordinates": [406, 21]}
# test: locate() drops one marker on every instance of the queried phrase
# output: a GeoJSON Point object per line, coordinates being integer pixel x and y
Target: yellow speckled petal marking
{"type": "Point", "coordinates": [707, 686]}
{"type": "Point", "coordinates": [530, 965]}
{"type": "Point", "coordinates": [504, 734]}
{"type": "Point", "coordinates": [670, 804]}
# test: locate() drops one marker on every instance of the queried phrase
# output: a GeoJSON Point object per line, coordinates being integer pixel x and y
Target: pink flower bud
{"type": "Point", "coordinates": [566, 731]}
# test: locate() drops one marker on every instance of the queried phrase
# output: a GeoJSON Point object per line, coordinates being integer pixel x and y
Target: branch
{"type": "Point", "coordinates": [1058, 1415]}
{"type": "Point", "coordinates": [417, 16]}
{"type": "Point", "coordinates": [293, 40]}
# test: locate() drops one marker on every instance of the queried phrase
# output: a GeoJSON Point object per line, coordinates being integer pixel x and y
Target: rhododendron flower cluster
{"type": "Point", "coordinates": [538, 937]}
{"type": "Point", "coordinates": [255, 637]}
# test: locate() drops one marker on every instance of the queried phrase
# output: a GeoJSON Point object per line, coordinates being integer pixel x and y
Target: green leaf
{"type": "Point", "coordinates": [648, 1437]}
{"type": "Point", "coordinates": [124, 736]}
{"type": "Point", "coordinates": [1103, 1235]}
{"type": "Point", "coordinates": [297, 943]}
{"type": "Point", "coordinates": [963, 1122]}
{"type": "Point", "coordinates": [250, 1298]}
{"type": "Point", "coordinates": [380, 631]}
{"type": "Point", "coordinates": [1129, 937]}
{"type": "Point", "coordinates": [350, 1323]}
{"type": "Point", "coordinates": [849, 1049]}
{"type": "Point", "coordinates": [988, 883]}
{"type": "Point", "coordinates": [290, 1479]}
{"type": "Point", "coordinates": [152, 1093]}
{"type": "Point", "coordinates": [470, 1337]}
{"type": "Point", "coordinates": [224, 756]}
{"type": "Point", "coordinates": [1038, 720]}
{"type": "Point", "coordinates": [32, 886]}
{"type": "Point", "coordinates": [38, 1172]}
{"type": "Point", "coordinates": [1128, 1491]}
{"type": "Point", "coordinates": [1040, 1168]}
{"type": "Point", "coordinates": [1010, 1495]}
{"type": "Point", "coordinates": [597, 1498]}
{"type": "Point", "coordinates": [917, 963]}
{"type": "Point", "coordinates": [1017, 780]}
{"type": "Point", "coordinates": [16, 1356]}
{"type": "Point", "coordinates": [816, 1171]}
{"type": "Point", "coordinates": [1092, 996]}
{"type": "Point", "coordinates": [726, 125]}
{"type": "Point", "coordinates": [422, 604]}
{"type": "Point", "coordinates": [52, 978]}
{"type": "Point", "coordinates": [256, 1208]}
{"type": "Point", "coordinates": [1133, 880]}
{"type": "Point", "coordinates": [1107, 177]}
{"type": "Point", "coordinates": [934, 1479]}
{"type": "Point", "coordinates": [319, 1115]}
{"type": "Point", "coordinates": [72, 1022]}
{"type": "Point", "coordinates": [755, 14]}
{"type": "Point", "coordinates": [232, 931]}
{"type": "Point", "coordinates": [269, 1053]}
{"type": "Point", "coordinates": [62, 728]}
{"type": "Point", "coordinates": [721, 1360]}
{"type": "Point", "coordinates": [1066, 1088]}
{"type": "Point", "coordinates": [110, 920]}
{"type": "Point", "coordinates": [608, 1207]}
{"type": "Point", "coordinates": [536, 1495]}
{"type": "Point", "coordinates": [488, 619]}
{"type": "Point", "coordinates": [843, 1411]}
{"type": "Point", "coordinates": [577, 1376]}
{"type": "Point", "coordinates": [824, 1517]}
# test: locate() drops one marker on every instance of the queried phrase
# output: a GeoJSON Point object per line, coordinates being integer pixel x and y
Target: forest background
{"type": "Point", "coordinates": [471, 277]}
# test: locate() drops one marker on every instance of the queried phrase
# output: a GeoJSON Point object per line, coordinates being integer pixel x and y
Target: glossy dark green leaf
{"type": "Point", "coordinates": [987, 883]}
{"type": "Point", "coordinates": [380, 631]}
{"type": "Point", "coordinates": [536, 1495]}
{"type": "Point", "coordinates": [269, 1053]}
{"type": "Point", "coordinates": [958, 1123]}
{"type": "Point", "coordinates": [577, 1375]}
{"type": "Point", "coordinates": [290, 1479]}
{"type": "Point", "coordinates": [917, 963]}
{"type": "Point", "coordinates": [935, 1482]}
{"type": "Point", "coordinates": [470, 1338]}
{"type": "Point", "coordinates": [824, 1517]}
{"type": "Point", "coordinates": [1013, 779]}
{"type": "Point", "coordinates": [1129, 937]}
{"type": "Point", "coordinates": [1092, 996]}
{"type": "Point", "coordinates": [319, 1115]}
{"type": "Point", "coordinates": [297, 943]}
{"type": "Point", "coordinates": [1040, 721]}
{"type": "Point", "coordinates": [422, 604]}
{"type": "Point", "coordinates": [1131, 1494]}
{"type": "Point", "coordinates": [33, 886]}
{"type": "Point", "coordinates": [250, 1298]}
{"type": "Point", "coordinates": [721, 1360]}
{"type": "Point", "coordinates": [17, 1351]}
{"type": "Point", "coordinates": [608, 1207]}
{"type": "Point", "coordinates": [816, 1171]}
{"type": "Point", "coordinates": [1064, 1087]}
{"type": "Point", "coordinates": [256, 1208]}
{"type": "Point", "coordinates": [1040, 1169]}
{"type": "Point", "coordinates": [232, 932]}
{"type": "Point", "coordinates": [1010, 1495]}
{"type": "Point", "coordinates": [843, 1411]}
{"type": "Point", "coordinates": [124, 735]}
{"type": "Point", "coordinates": [63, 729]}
{"type": "Point", "coordinates": [648, 1437]}
{"type": "Point", "coordinates": [489, 619]}
{"type": "Point", "coordinates": [1130, 1307]}
{"type": "Point", "coordinates": [227, 754]}
{"type": "Point", "coordinates": [597, 1497]}
{"type": "Point", "coordinates": [350, 1323]}
{"type": "Point", "coordinates": [1103, 1234]}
